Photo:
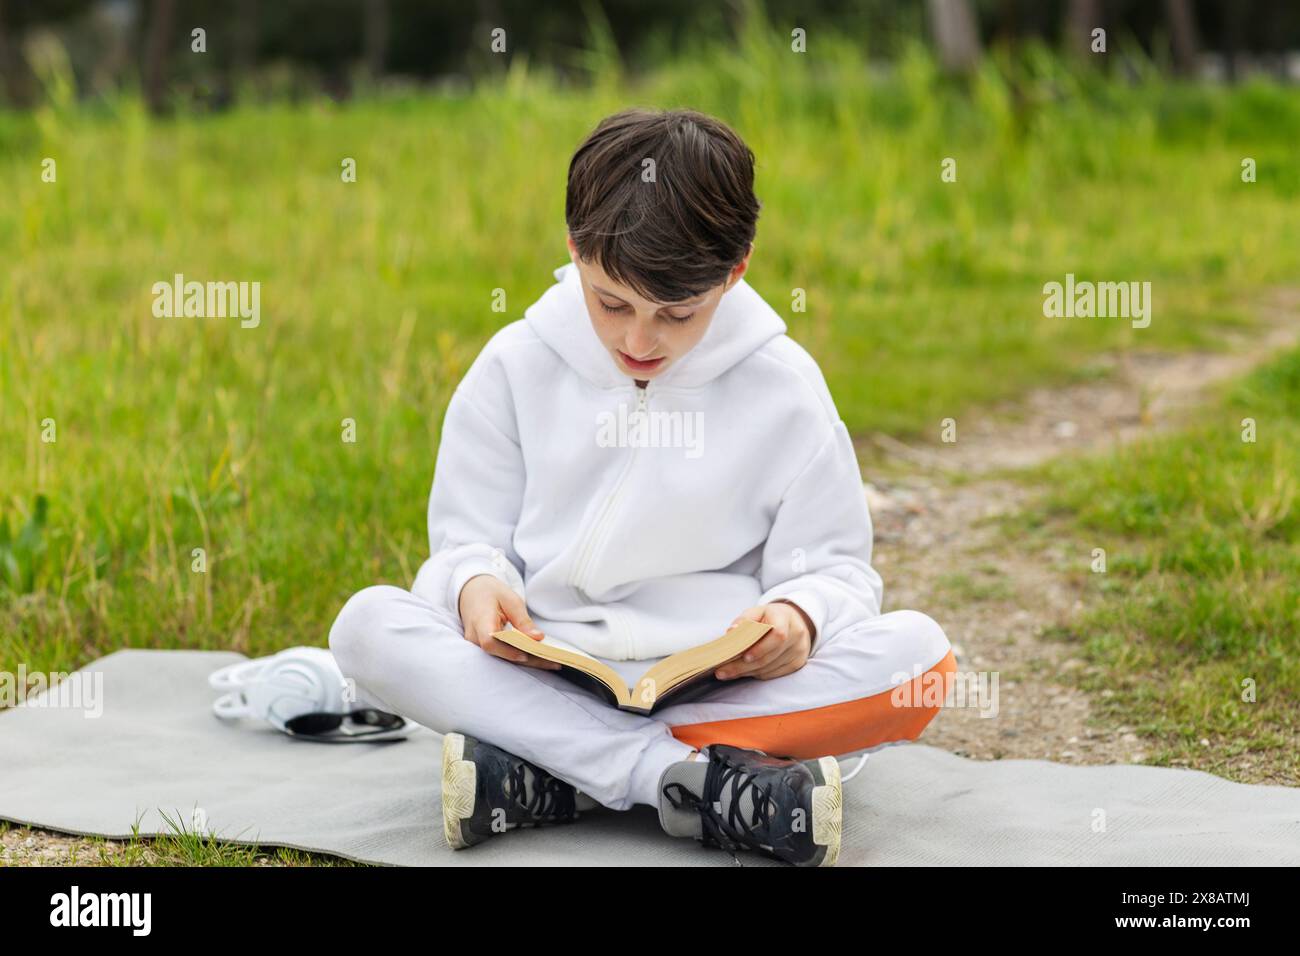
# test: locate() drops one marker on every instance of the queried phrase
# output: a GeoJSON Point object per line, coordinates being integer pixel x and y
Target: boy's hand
{"type": "Point", "coordinates": [782, 650]}
{"type": "Point", "coordinates": [487, 604]}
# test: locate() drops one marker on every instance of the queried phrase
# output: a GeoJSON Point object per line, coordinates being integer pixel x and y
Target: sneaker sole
{"type": "Point", "coordinates": [828, 810]}
{"type": "Point", "coordinates": [459, 784]}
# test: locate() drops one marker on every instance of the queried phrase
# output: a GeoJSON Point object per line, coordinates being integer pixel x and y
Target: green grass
{"type": "Point", "coordinates": [983, 584]}
{"type": "Point", "coordinates": [180, 847]}
{"type": "Point", "coordinates": [1199, 605]}
{"type": "Point", "coordinates": [924, 298]}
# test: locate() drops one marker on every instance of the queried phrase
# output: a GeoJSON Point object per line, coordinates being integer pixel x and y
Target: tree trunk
{"type": "Point", "coordinates": [161, 20]}
{"type": "Point", "coordinates": [243, 40]}
{"type": "Point", "coordinates": [1233, 32]}
{"type": "Point", "coordinates": [14, 72]}
{"type": "Point", "coordinates": [956, 36]}
{"type": "Point", "coordinates": [376, 37]}
{"type": "Point", "coordinates": [1182, 35]}
{"type": "Point", "coordinates": [1081, 18]}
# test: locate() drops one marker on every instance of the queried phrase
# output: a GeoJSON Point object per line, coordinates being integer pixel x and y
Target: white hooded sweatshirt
{"type": "Point", "coordinates": [636, 536]}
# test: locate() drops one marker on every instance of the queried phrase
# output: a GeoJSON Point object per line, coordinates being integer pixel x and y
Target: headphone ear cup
{"type": "Point", "coordinates": [237, 675]}
{"type": "Point", "coordinates": [231, 706]}
{"type": "Point", "coordinates": [289, 689]}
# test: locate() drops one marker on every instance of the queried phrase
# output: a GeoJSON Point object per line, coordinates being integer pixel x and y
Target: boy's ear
{"type": "Point", "coordinates": [739, 269]}
{"type": "Point", "coordinates": [573, 249]}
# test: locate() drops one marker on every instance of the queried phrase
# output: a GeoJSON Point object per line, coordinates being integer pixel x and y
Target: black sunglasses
{"type": "Point", "coordinates": [316, 725]}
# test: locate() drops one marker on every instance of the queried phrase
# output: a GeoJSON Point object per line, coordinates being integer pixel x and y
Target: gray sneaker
{"type": "Point", "coordinates": [746, 800]}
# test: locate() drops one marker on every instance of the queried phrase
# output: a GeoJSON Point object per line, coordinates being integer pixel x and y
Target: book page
{"type": "Point", "coordinates": [550, 641]}
{"type": "Point", "coordinates": [688, 666]}
{"type": "Point", "coordinates": [562, 652]}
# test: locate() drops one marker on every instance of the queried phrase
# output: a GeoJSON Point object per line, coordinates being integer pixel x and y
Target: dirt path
{"type": "Point", "coordinates": [933, 508]}
{"type": "Point", "coordinates": [938, 551]}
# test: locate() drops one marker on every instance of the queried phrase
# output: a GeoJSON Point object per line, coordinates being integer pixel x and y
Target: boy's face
{"type": "Point", "coordinates": [643, 337]}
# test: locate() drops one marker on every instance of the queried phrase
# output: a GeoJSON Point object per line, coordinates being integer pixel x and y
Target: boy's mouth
{"type": "Point", "coordinates": [636, 365]}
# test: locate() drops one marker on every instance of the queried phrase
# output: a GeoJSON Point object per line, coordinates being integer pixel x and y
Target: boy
{"type": "Point", "coordinates": [633, 550]}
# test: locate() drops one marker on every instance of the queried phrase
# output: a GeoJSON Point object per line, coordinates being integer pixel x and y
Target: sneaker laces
{"type": "Point", "coordinates": [550, 798]}
{"type": "Point", "coordinates": [730, 831]}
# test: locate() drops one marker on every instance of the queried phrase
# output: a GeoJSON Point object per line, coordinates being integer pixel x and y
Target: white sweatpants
{"type": "Point", "coordinates": [414, 660]}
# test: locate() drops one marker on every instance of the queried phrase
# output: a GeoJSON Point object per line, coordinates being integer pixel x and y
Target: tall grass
{"type": "Point", "coordinates": [924, 297]}
{"type": "Point", "coordinates": [1196, 630]}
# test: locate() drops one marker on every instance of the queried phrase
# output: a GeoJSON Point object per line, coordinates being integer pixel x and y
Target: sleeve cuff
{"type": "Point", "coordinates": [808, 600]}
{"type": "Point", "coordinates": [497, 565]}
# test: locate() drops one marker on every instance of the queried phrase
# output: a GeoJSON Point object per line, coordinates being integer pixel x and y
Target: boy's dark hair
{"type": "Point", "coordinates": [678, 234]}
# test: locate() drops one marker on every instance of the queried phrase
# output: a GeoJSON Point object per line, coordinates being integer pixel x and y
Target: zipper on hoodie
{"type": "Point", "coordinates": [585, 554]}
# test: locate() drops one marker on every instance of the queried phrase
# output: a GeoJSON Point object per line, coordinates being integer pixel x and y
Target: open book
{"type": "Point", "coordinates": [678, 678]}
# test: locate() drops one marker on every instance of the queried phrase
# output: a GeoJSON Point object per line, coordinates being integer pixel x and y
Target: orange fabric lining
{"type": "Point", "coordinates": [834, 729]}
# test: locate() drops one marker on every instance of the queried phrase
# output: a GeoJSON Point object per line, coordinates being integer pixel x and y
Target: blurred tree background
{"type": "Point", "coordinates": [293, 47]}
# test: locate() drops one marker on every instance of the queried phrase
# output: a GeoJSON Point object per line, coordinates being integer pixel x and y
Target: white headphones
{"type": "Point", "coordinates": [301, 692]}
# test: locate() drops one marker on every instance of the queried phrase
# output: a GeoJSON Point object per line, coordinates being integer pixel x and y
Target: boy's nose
{"type": "Point", "coordinates": [640, 346]}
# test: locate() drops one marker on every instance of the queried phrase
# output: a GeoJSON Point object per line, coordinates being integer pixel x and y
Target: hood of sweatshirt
{"type": "Point", "coordinates": [742, 323]}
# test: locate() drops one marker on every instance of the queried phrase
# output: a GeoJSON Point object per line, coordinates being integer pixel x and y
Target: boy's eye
{"type": "Point", "coordinates": [614, 308]}
{"type": "Point", "coordinates": [680, 318]}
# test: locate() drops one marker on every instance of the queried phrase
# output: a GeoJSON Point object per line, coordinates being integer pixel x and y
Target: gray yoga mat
{"type": "Point", "coordinates": [156, 748]}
